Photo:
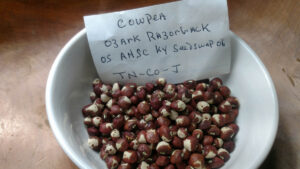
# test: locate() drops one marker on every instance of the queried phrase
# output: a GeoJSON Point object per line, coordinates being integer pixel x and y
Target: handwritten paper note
{"type": "Point", "coordinates": [179, 41]}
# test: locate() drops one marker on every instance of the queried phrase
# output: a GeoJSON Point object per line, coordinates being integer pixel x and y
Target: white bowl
{"type": "Point", "coordinates": [69, 84]}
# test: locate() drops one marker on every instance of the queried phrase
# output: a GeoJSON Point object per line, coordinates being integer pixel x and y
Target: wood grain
{"type": "Point", "coordinates": [32, 33]}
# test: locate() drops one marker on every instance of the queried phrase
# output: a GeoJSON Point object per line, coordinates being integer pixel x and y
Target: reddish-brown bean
{"type": "Point", "coordinates": [149, 87]}
{"type": "Point", "coordinates": [155, 102]}
{"type": "Point", "coordinates": [143, 107]}
{"type": "Point", "coordinates": [124, 166]}
{"type": "Point", "coordinates": [218, 142]}
{"type": "Point", "coordinates": [122, 144]}
{"type": "Point", "coordinates": [227, 133]}
{"type": "Point", "coordinates": [197, 160]}
{"type": "Point", "coordinates": [162, 161]}
{"type": "Point", "coordinates": [130, 124]}
{"type": "Point", "coordinates": [190, 143]}
{"type": "Point", "coordinates": [141, 93]}
{"type": "Point", "coordinates": [124, 102]}
{"type": "Point", "coordinates": [118, 121]}
{"type": "Point", "coordinates": [201, 86]}
{"type": "Point", "coordinates": [216, 83]}
{"type": "Point", "coordinates": [210, 151]}
{"type": "Point", "coordinates": [130, 156]}
{"type": "Point", "coordinates": [225, 107]}
{"type": "Point", "coordinates": [233, 101]}
{"type": "Point", "coordinates": [155, 113]}
{"type": "Point", "coordinates": [163, 121]}
{"type": "Point", "coordinates": [177, 142]}
{"type": "Point", "coordinates": [141, 136]}
{"type": "Point", "coordinates": [152, 136]}
{"type": "Point", "coordinates": [234, 127]}
{"type": "Point", "coordinates": [170, 166]}
{"type": "Point", "coordinates": [195, 117]}
{"type": "Point", "coordinates": [225, 91]}
{"type": "Point", "coordinates": [178, 105]}
{"type": "Point", "coordinates": [176, 156]}
{"type": "Point", "coordinates": [181, 165]}
{"type": "Point", "coordinates": [127, 91]}
{"type": "Point", "coordinates": [165, 133]}
{"type": "Point", "coordinates": [214, 130]}
{"type": "Point", "coordinates": [144, 150]}
{"type": "Point", "coordinates": [134, 100]}
{"type": "Point", "coordinates": [192, 127]}
{"type": "Point", "coordinates": [190, 84]}
{"type": "Point", "coordinates": [206, 121]}
{"type": "Point", "coordinates": [207, 140]}
{"type": "Point", "coordinates": [173, 130]}
{"type": "Point", "coordinates": [185, 154]}
{"type": "Point", "coordinates": [129, 136]}
{"type": "Point", "coordinates": [106, 128]}
{"type": "Point", "coordinates": [217, 97]}
{"type": "Point", "coordinates": [154, 166]}
{"type": "Point", "coordinates": [94, 143]}
{"type": "Point", "coordinates": [182, 133]}
{"type": "Point", "coordinates": [223, 154]}
{"type": "Point", "coordinates": [198, 133]}
{"type": "Point", "coordinates": [229, 146]}
{"type": "Point", "coordinates": [112, 162]}
{"type": "Point", "coordinates": [182, 121]}
{"type": "Point", "coordinates": [164, 148]}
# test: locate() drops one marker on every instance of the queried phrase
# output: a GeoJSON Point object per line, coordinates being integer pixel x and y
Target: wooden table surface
{"type": "Point", "coordinates": [33, 32]}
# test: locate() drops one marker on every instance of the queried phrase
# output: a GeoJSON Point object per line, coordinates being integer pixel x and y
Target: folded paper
{"type": "Point", "coordinates": [178, 41]}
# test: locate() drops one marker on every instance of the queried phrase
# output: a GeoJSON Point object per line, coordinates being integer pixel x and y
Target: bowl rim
{"type": "Point", "coordinates": [68, 150]}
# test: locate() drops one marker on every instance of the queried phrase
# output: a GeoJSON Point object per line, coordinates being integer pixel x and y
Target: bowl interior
{"type": "Point", "coordinates": [69, 84]}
